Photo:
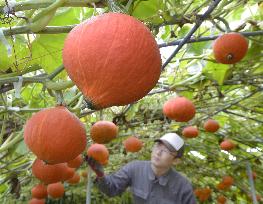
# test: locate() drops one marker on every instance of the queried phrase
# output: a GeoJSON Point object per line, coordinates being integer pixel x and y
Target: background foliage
{"type": "Point", "coordinates": [230, 94]}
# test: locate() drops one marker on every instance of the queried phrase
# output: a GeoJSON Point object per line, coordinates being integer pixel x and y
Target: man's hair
{"type": "Point", "coordinates": [180, 152]}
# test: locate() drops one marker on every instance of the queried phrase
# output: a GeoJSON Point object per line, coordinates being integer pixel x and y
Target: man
{"type": "Point", "coordinates": [150, 181]}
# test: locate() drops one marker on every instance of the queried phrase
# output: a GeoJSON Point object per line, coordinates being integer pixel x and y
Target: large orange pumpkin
{"type": "Point", "coordinates": [56, 190]}
{"type": "Point", "coordinates": [55, 135]}
{"type": "Point", "coordinates": [75, 163]}
{"type": "Point", "coordinates": [230, 48]}
{"type": "Point", "coordinates": [211, 125]}
{"type": "Point", "coordinates": [103, 132]}
{"type": "Point", "coordinates": [132, 144]}
{"type": "Point", "coordinates": [227, 145]}
{"type": "Point", "coordinates": [180, 109]}
{"type": "Point", "coordinates": [113, 59]}
{"type": "Point", "coordinates": [98, 152]}
{"type": "Point", "coordinates": [39, 191]}
{"type": "Point", "coordinates": [190, 132]}
{"type": "Point", "coordinates": [48, 173]}
{"type": "Point", "coordinates": [37, 201]}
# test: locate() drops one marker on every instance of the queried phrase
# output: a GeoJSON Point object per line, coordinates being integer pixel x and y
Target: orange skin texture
{"type": "Point", "coordinates": [75, 179]}
{"type": "Point", "coordinates": [221, 199]}
{"type": "Point", "coordinates": [227, 145]}
{"type": "Point", "coordinates": [132, 144]}
{"type": "Point", "coordinates": [103, 132]}
{"type": "Point", "coordinates": [68, 173]}
{"type": "Point", "coordinates": [48, 173]}
{"type": "Point", "coordinates": [55, 135]}
{"type": "Point", "coordinates": [230, 44]}
{"type": "Point", "coordinates": [75, 163]}
{"type": "Point", "coordinates": [56, 190]}
{"type": "Point", "coordinates": [211, 125]}
{"type": "Point", "coordinates": [190, 132]}
{"type": "Point", "coordinates": [179, 109]}
{"type": "Point", "coordinates": [113, 59]}
{"type": "Point", "coordinates": [98, 152]}
{"type": "Point", "coordinates": [39, 191]}
{"type": "Point", "coordinates": [37, 201]}
{"type": "Point", "coordinates": [203, 193]}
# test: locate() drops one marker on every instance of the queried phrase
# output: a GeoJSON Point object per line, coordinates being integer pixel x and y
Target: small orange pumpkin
{"type": "Point", "coordinates": [37, 201]}
{"type": "Point", "coordinates": [230, 48]}
{"type": "Point", "coordinates": [113, 59]}
{"type": "Point", "coordinates": [228, 180]}
{"type": "Point", "coordinates": [98, 152]}
{"type": "Point", "coordinates": [190, 132]}
{"type": "Point", "coordinates": [75, 179]}
{"type": "Point", "coordinates": [55, 135]}
{"type": "Point", "coordinates": [221, 199]}
{"type": "Point", "coordinates": [180, 109]}
{"type": "Point", "coordinates": [48, 173]}
{"type": "Point", "coordinates": [132, 144]}
{"type": "Point", "coordinates": [227, 145]}
{"type": "Point", "coordinates": [103, 132]}
{"type": "Point", "coordinates": [75, 163]}
{"type": "Point", "coordinates": [68, 173]}
{"type": "Point", "coordinates": [39, 191]}
{"type": "Point", "coordinates": [211, 125]}
{"type": "Point", "coordinates": [56, 190]}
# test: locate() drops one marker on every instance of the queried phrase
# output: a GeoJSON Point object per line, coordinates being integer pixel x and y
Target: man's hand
{"type": "Point", "coordinates": [95, 166]}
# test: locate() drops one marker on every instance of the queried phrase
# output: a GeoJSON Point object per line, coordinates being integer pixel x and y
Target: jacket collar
{"type": "Point", "coordinates": [163, 180]}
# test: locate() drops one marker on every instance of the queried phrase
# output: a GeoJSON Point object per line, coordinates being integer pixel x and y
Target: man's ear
{"type": "Point", "coordinates": [177, 161]}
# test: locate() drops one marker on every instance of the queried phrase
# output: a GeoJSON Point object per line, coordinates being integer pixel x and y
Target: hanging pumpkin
{"type": "Point", "coordinates": [98, 152]}
{"type": "Point", "coordinates": [190, 132]}
{"type": "Point", "coordinates": [37, 201]}
{"type": "Point", "coordinates": [132, 144]}
{"type": "Point", "coordinates": [230, 48]}
{"type": "Point", "coordinates": [211, 125]}
{"type": "Point", "coordinates": [55, 135]}
{"type": "Point", "coordinates": [103, 132]}
{"type": "Point", "coordinates": [74, 179]}
{"type": "Point", "coordinates": [48, 173]}
{"type": "Point", "coordinates": [113, 59]}
{"type": "Point", "coordinates": [56, 190]}
{"type": "Point", "coordinates": [227, 145]}
{"type": "Point", "coordinates": [179, 109]}
{"type": "Point", "coordinates": [75, 163]}
{"type": "Point", "coordinates": [39, 191]}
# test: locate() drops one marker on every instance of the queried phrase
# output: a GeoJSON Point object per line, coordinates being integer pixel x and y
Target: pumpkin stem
{"type": "Point", "coordinates": [89, 104]}
{"type": "Point", "coordinates": [230, 56]}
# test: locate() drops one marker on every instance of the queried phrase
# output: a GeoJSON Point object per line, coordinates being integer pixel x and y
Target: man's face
{"type": "Point", "coordinates": [161, 156]}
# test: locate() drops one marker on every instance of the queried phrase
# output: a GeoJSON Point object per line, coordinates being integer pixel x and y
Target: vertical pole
{"type": "Point", "coordinates": [251, 182]}
{"type": "Point", "coordinates": [89, 185]}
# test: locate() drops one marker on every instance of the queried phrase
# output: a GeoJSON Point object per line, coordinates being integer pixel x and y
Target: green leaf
{"type": "Point", "coordinates": [216, 71]}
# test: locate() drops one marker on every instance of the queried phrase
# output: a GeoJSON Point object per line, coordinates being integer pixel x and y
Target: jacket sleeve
{"type": "Point", "coordinates": [116, 183]}
{"type": "Point", "coordinates": [188, 195]}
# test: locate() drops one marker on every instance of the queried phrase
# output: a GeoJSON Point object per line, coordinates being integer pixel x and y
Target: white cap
{"type": "Point", "coordinates": [174, 140]}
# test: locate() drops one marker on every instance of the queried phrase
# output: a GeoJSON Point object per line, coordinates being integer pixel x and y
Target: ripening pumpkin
{"type": "Point", "coordinates": [48, 173]}
{"type": "Point", "coordinates": [98, 152]}
{"type": "Point", "coordinates": [211, 125]}
{"type": "Point", "coordinates": [74, 180]}
{"type": "Point", "coordinates": [37, 201]}
{"type": "Point", "coordinates": [103, 132]}
{"type": "Point", "coordinates": [180, 109]}
{"type": "Point", "coordinates": [55, 135]}
{"type": "Point", "coordinates": [39, 191]}
{"type": "Point", "coordinates": [227, 145]}
{"type": "Point", "coordinates": [75, 163]}
{"type": "Point", "coordinates": [132, 144]}
{"type": "Point", "coordinates": [230, 48]}
{"type": "Point", "coordinates": [56, 190]}
{"type": "Point", "coordinates": [228, 180]}
{"type": "Point", "coordinates": [221, 199]}
{"type": "Point", "coordinates": [113, 59]}
{"type": "Point", "coordinates": [221, 186]}
{"type": "Point", "coordinates": [68, 173]}
{"type": "Point", "coordinates": [190, 132]}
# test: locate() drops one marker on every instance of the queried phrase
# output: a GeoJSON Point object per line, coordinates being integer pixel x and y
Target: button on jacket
{"type": "Point", "coordinates": [145, 187]}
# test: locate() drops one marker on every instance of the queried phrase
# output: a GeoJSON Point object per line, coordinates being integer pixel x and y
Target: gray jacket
{"type": "Point", "coordinates": [146, 188]}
